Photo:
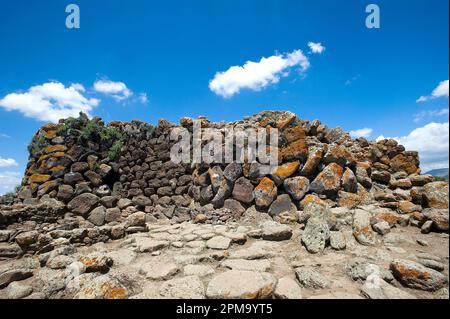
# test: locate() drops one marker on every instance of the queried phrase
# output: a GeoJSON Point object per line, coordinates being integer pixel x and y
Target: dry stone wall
{"type": "Point", "coordinates": [87, 181]}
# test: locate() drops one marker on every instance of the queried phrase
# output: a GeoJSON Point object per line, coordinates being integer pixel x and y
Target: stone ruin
{"type": "Point", "coordinates": [87, 182]}
{"type": "Point", "coordinates": [96, 196]}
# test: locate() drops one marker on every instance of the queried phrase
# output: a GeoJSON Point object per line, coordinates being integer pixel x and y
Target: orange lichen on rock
{"type": "Point", "coordinates": [294, 134]}
{"type": "Point", "coordinates": [295, 150]}
{"type": "Point", "coordinates": [286, 170]}
{"type": "Point", "coordinates": [55, 148]}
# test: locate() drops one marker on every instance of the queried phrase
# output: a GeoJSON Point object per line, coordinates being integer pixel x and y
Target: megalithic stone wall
{"type": "Point", "coordinates": [132, 161]}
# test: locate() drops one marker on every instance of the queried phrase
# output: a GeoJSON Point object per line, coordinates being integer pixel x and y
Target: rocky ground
{"type": "Point", "coordinates": [253, 258]}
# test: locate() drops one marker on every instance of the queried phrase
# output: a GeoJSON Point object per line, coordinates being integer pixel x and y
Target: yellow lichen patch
{"type": "Point", "coordinates": [367, 231]}
{"type": "Point", "coordinates": [55, 148]}
{"type": "Point", "coordinates": [50, 135]}
{"type": "Point", "coordinates": [286, 170]}
{"type": "Point", "coordinates": [387, 217]}
{"type": "Point", "coordinates": [349, 200]}
{"type": "Point", "coordinates": [113, 292]}
{"type": "Point", "coordinates": [294, 134]}
{"type": "Point", "coordinates": [48, 185]}
{"type": "Point", "coordinates": [267, 186]}
{"type": "Point", "coordinates": [312, 199]}
{"type": "Point", "coordinates": [57, 169]}
{"type": "Point", "coordinates": [50, 127]}
{"type": "Point", "coordinates": [116, 124]}
{"type": "Point", "coordinates": [38, 178]}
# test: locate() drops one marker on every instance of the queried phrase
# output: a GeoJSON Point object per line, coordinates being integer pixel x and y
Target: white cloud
{"type": "Point", "coordinates": [9, 180]}
{"type": "Point", "coordinates": [7, 162]}
{"type": "Point", "coordinates": [442, 90]}
{"type": "Point", "coordinates": [363, 132]}
{"type": "Point", "coordinates": [79, 87]}
{"type": "Point", "coordinates": [143, 98]}
{"type": "Point", "coordinates": [316, 47]}
{"type": "Point", "coordinates": [49, 102]}
{"type": "Point", "coordinates": [257, 75]}
{"type": "Point", "coordinates": [353, 79]}
{"type": "Point", "coordinates": [431, 141]}
{"type": "Point", "coordinates": [430, 113]}
{"type": "Point", "coordinates": [3, 135]}
{"type": "Point", "coordinates": [118, 90]}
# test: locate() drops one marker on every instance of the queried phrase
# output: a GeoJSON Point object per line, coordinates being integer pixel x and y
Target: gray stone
{"type": "Point", "coordinates": [112, 214]}
{"type": "Point", "coordinates": [309, 278]}
{"type": "Point", "coordinates": [236, 284]}
{"type": "Point", "coordinates": [158, 270]}
{"type": "Point", "coordinates": [83, 204]}
{"type": "Point", "coordinates": [287, 288]}
{"type": "Point", "coordinates": [189, 287]}
{"type": "Point", "coordinates": [315, 235]}
{"type": "Point", "coordinates": [219, 242]}
{"type": "Point", "coordinates": [243, 264]}
{"type": "Point", "coordinates": [362, 229]}
{"type": "Point", "coordinates": [97, 216]}
{"type": "Point", "coordinates": [275, 231]}
{"type": "Point", "coordinates": [198, 270]}
{"type": "Point", "coordinates": [232, 171]}
{"type": "Point", "coordinates": [9, 276]}
{"type": "Point", "coordinates": [17, 290]}
{"type": "Point", "coordinates": [376, 288]}
{"type": "Point", "coordinates": [281, 204]}
{"type": "Point", "coordinates": [337, 240]}
{"type": "Point", "coordinates": [382, 227]}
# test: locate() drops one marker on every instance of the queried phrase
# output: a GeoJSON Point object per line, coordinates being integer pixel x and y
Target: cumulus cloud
{"type": "Point", "coordinates": [256, 76]}
{"type": "Point", "coordinates": [316, 47]}
{"type": "Point", "coordinates": [431, 141]}
{"type": "Point", "coordinates": [442, 90]}
{"type": "Point", "coordinates": [430, 113]}
{"type": "Point", "coordinates": [7, 162]}
{"type": "Point", "coordinates": [9, 180]}
{"type": "Point", "coordinates": [49, 102]}
{"type": "Point", "coordinates": [363, 132]}
{"type": "Point", "coordinates": [118, 90]}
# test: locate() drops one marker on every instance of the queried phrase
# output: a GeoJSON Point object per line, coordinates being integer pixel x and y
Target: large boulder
{"type": "Point", "coordinates": [435, 195]}
{"type": "Point", "coordinates": [417, 276]}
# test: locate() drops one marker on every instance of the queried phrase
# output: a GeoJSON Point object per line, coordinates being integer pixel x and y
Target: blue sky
{"type": "Point", "coordinates": [156, 59]}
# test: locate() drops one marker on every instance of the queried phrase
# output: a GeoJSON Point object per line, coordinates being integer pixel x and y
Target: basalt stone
{"type": "Point", "coordinates": [83, 204]}
{"type": "Point", "coordinates": [73, 178]}
{"type": "Point", "coordinates": [232, 171]}
{"type": "Point", "coordinates": [243, 190]}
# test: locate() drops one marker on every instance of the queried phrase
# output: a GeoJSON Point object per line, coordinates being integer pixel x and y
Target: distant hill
{"type": "Point", "coordinates": [441, 172]}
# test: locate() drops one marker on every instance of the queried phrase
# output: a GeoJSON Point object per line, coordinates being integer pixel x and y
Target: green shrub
{"type": "Point", "coordinates": [115, 150]}
{"type": "Point", "coordinates": [110, 135]}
